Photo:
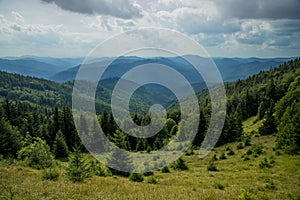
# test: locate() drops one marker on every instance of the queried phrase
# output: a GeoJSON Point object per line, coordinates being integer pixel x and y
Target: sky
{"type": "Point", "coordinates": [225, 28]}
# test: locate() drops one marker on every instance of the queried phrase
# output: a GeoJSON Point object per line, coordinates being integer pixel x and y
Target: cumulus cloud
{"type": "Point", "coordinates": [116, 8]}
{"type": "Point", "coordinates": [259, 9]}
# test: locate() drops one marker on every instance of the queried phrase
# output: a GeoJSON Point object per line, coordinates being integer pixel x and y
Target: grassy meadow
{"type": "Point", "coordinates": [245, 173]}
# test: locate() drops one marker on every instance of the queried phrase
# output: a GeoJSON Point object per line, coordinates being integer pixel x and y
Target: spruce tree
{"type": "Point", "coordinates": [78, 169]}
{"type": "Point", "coordinates": [60, 147]}
{"type": "Point", "coordinates": [269, 125]}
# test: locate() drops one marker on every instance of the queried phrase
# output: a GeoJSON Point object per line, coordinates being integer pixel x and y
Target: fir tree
{"type": "Point", "coordinates": [78, 169]}
{"type": "Point", "coordinates": [60, 147]}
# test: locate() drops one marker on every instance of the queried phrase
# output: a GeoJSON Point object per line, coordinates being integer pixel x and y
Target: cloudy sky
{"type": "Point", "coordinates": [227, 28]}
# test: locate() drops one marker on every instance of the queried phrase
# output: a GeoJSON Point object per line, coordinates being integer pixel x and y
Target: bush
{"type": "Point", "coordinates": [78, 169]}
{"type": "Point", "coordinates": [230, 153]}
{"type": "Point", "coordinates": [247, 141]}
{"type": "Point", "coordinates": [265, 163]}
{"type": "Point", "coordinates": [223, 156]}
{"type": "Point", "coordinates": [51, 174]}
{"type": "Point", "coordinates": [180, 165]}
{"type": "Point", "coordinates": [189, 151]}
{"type": "Point", "coordinates": [152, 180]}
{"type": "Point", "coordinates": [212, 167]}
{"type": "Point", "coordinates": [257, 149]}
{"type": "Point", "coordinates": [136, 177]}
{"type": "Point", "coordinates": [214, 158]}
{"type": "Point", "coordinates": [247, 195]}
{"type": "Point", "coordinates": [165, 169]}
{"type": "Point", "coordinates": [37, 155]}
{"type": "Point", "coordinates": [219, 186]}
{"type": "Point", "coordinates": [246, 158]}
{"type": "Point", "coordinates": [239, 146]}
{"type": "Point", "coordinates": [270, 185]}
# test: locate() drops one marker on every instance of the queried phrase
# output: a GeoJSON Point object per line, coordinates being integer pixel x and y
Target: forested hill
{"type": "Point", "coordinates": [273, 96]}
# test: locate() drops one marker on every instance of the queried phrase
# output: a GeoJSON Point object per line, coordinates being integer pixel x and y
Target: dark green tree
{"type": "Point", "coordinates": [269, 125]}
{"type": "Point", "coordinates": [78, 169]}
{"type": "Point", "coordinates": [10, 139]}
{"type": "Point", "coordinates": [60, 147]}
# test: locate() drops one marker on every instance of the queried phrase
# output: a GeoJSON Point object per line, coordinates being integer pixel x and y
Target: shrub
{"type": "Point", "coordinates": [249, 152]}
{"type": "Point", "coordinates": [223, 156]}
{"type": "Point", "coordinates": [257, 149]}
{"type": "Point", "coordinates": [219, 186]}
{"type": "Point", "coordinates": [51, 174]}
{"type": "Point", "coordinates": [240, 145]}
{"type": "Point", "coordinates": [265, 163]}
{"type": "Point", "coordinates": [247, 141]}
{"type": "Point", "coordinates": [270, 184]}
{"type": "Point", "coordinates": [230, 153]}
{"type": "Point", "coordinates": [136, 177]}
{"type": "Point", "coordinates": [180, 165]}
{"type": "Point", "coordinates": [189, 151]}
{"type": "Point", "coordinates": [214, 158]}
{"type": "Point", "coordinates": [152, 180]}
{"type": "Point", "coordinates": [246, 158]}
{"type": "Point", "coordinates": [37, 155]}
{"type": "Point", "coordinates": [165, 169]}
{"type": "Point", "coordinates": [212, 167]}
{"type": "Point", "coordinates": [78, 169]}
{"type": "Point", "coordinates": [247, 195]}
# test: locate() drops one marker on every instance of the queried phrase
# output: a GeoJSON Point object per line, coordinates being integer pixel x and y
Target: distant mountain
{"type": "Point", "coordinates": [231, 69]}
{"type": "Point", "coordinates": [65, 69]}
{"type": "Point", "coordinates": [40, 67]}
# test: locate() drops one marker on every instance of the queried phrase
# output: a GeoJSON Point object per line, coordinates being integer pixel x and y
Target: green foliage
{"type": "Point", "coordinates": [10, 139]}
{"type": "Point", "coordinates": [266, 163]}
{"type": "Point", "coordinates": [269, 125]}
{"type": "Point", "coordinates": [37, 155]}
{"type": "Point", "coordinates": [230, 152]}
{"type": "Point", "coordinates": [212, 167]}
{"type": "Point", "coordinates": [136, 177]}
{"type": "Point", "coordinates": [165, 169]}
{"type": "Point", "coordinates": [240, 145]}
{"type": "Point", "coordinates": [152, 180]}
{"type": "Point", "coordinates": [247, 195]}
{"type": "Point", "coordinates": [256, 150]}
{"type": "Point", "coordinates": [288, 137]}
{"type": "Point", "coordinates": [270, 185]}
{"type": "Point", "coordinates": [78, 169]}
{"type": "Point", "coordinates": [214, 158]}
{"type": "Point", "coordinates": [60, 147]}
{"type": "Point", "coordinates": [179, 165]}
{"type": "Point", "coordinates": [51, 174]}
{"type": "Point", "coordinates": [247, 141]}
{"type": "Point", "coordinates": [219, 186]}
{"type": "Point", "coordinates": [223, 156]}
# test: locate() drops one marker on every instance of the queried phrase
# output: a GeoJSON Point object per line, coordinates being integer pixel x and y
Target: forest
{"type": "Point", "coordinates": [37, 128]}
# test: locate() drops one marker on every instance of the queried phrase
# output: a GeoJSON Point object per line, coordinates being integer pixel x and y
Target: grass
{"type": "Point", "coordinates": [235, 179]}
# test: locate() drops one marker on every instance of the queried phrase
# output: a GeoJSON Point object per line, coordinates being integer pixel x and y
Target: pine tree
{"type": "Point", "coordinates": [78, 169]}
{"type": "Point", "coordinates": [288, 137]}
{"type": "Point", "coordinates": [269, 125]}
{"type": "Point", "coordinates": [10, 139]}
{"type": "Point", "coordinates": [60, 147]}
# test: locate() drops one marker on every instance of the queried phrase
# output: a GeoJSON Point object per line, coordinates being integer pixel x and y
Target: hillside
{"type": "Point", "coordinates": [231, 69]}
{"type": "Point", "coordinates": [256, 157]}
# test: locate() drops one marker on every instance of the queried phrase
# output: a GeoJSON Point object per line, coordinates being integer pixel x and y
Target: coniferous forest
{"type": "Point", "coordinates": [38, 135]}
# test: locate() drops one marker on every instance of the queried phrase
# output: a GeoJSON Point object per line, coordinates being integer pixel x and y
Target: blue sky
{"type": "Point", "coordinates": [227, 28]}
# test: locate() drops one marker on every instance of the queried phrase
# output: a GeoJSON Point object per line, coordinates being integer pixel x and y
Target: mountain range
{"type": "Point", "coordinates": [65, 69]}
